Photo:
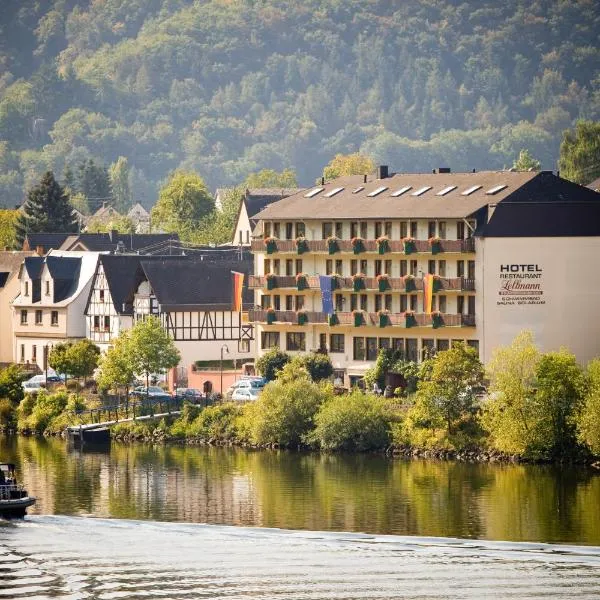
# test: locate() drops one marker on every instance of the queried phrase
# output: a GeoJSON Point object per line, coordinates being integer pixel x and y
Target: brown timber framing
{"type": "Point", "coordinates": [205, 325]}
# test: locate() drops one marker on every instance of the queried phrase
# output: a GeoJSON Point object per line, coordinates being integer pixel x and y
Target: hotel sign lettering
{"type": "Point", "coordinates": [520, 284]}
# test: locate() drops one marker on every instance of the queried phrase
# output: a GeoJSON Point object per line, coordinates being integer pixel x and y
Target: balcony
{"type": "Point", "coordinates": [394, 284]}
{"type": "Point", "coordinates": [369, 319]}
{"type": "Point", "coordinates": [370, 246]}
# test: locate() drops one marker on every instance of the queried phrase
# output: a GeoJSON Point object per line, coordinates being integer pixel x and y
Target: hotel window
{"type": "Point", "coordinates": [387, 267]}
{"type": "Point", "coordinates": [428, 348]}
{"type": "Point", "coordinates": [442, 304]}
{"type": "Point", "coordinates": [413, 302]}
{"type": "Point", "coordinates": [403, 229]}
{"type": "Point", "coordinates": [398, 345]}
{"type": "Point", "coordinates": [442, 268]}
{"type": "Point", "coordinates": [403, 268]}
{"type": "Point", "coordinates": [27, 288]}
{"type": "Point", "coordinates": [38, 317]}
{"type": "Point", "coordinates": [387, 229]}
{"type": "Point", "coordinates": [431, 267]}
{"type": "Point", "coordinates": [388, 302]}
{"type": "Point", "coordinates": [339, 230]}
{"type": "Point", "coordinates": [339, 302]}
{"type": "Point", "coordinates": [267, 230]}
{"type": "Point", "coordinates": [403, 303]}
{"type": "Point", "coordinates": [353, 302]}
{"type": "Point", "coordinates": [327, 230]}
{"type": "Point", "coordinates": [329, 267]}
{"type": "Point", "coordinates": [23, 317]}
{"type": "Point", "coordinates": [101, 295]}
{"type": "Point", "coordinates": [413, 268]}
{"type": "Point", "coordinates": [431, 229]}
{"type": "Point", "coordinates": [377, 302]}
{"type": "Point", "coordinates": [378, 229]}
{"type": "Point", "coordinates": [471, 305]}
{"type": "Point", "coordinates": [353, 229]}
{"type": "Point", "coordinates": [353, 267]}
{"type": "Point", "coordinates": [96, 323]}
{"type": "Point", "coordinates": [460, 230]}
{"type": "Point", "coordinates": [269, 339]}
{"type": "Point", "coordinates": [471, 269]}
{"type": "Point", "coordinates": [33, 353]}
{"type": "Point", "coordinates": [299, 302]}
{"type": "Point", "coordinates": [442, 230]}
{"type": "Point", "coordinates": [412, 352]}
{"type": "Point", "coordinates": [289, 231]}
{"type": "Point", "coordinates": [378, 267]}
{"type": "Point", "coordinates": [267, 264]}
{"type": "Point", "coordinates": [298, 265]}
{"type": "Point", "coordinates": [339, 267]}
{"type": "Point", "coordinates": [364, 302]}
{"type": "Point", "coordinates": [22, 352]}
{"type": "Point", "coordinates": [413, 229]}
{"type": "Point", "coordinates": [289, 267]}
{"type": "Point", "coordinates": [106, 323]}
{"type": "Point", "coordinates": [443, 345]}
{"type": "Point", "coordinates": [54, 317]}
{"type": "Point", "coordinates": [363, 230]}
{"type": "Point", "coordinates": [460, 268]}
{"type": "Point", "coordinates": [337, 342]}
{"type": "Point", "coordinates": [474, 344]}
{"type": "Point", "coordinates": [358, 348]}
{"type": "Point", "coordinates": [295, 342]}
{"type": "Point", "coordinates": [300, 229]}
{"type": "Point", "coordinates": [47, 287]}
{"type": "Point", "coordinates": [277, 302]}
{"type": "Point", "coordinates": [289, 303]}
{"type": "Point", "coordinates": [372, 348]}
{"type": "Point", "coordinates": [276, 230]}
{"type": "Point", "coordinates": [276, 266]}
{"type": "Point", "coordinates": [460, 305]}
{"type": "Point", "coordinates": [384, 343]}
{"type": "Point", "coordinates": [323, 342]}
{"type": "Point", "coordinates": [265, 301]}
{"type": "Point", "coordinates": [363, 267]}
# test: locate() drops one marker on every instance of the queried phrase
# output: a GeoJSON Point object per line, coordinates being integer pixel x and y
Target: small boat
{"type": "Point", "coordinates": [14, 500]}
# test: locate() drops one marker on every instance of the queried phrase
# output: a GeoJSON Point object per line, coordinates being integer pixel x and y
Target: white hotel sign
{"type": "Point", "coordinates": [520, 284]}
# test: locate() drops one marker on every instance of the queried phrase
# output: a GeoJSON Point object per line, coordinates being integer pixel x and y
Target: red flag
{"type": "Point", "coordinates": [238, 286]}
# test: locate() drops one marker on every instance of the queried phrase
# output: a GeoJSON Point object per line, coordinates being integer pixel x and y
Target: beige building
{"type": "Point", "coordinates": [50, 305]}
{"type": "Point", "coordinates": [10, 264]}
{"type": "Point", "coordinates": [383, 241]}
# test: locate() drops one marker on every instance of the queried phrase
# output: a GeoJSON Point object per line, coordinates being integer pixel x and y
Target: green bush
{"type": "Point", "coordinates": [356, 422]}
{"type": "Point", "coordinates": [271, 362]}
{"type": "Point", "coordinates": [35, 413]}
{"type": "Point", "coordinates": [7, 414]}
{"type": "Point", "coordinates": [318, 365]}
{"type": "Point", "coordinates": [10, 384]}
{"type": "Point", "coordinates": [589, 420]}
{"type": "Point", "coordinates": [215, 422]}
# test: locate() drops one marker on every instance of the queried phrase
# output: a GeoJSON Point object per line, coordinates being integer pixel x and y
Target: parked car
{"type": "Point", "coordinates": [245, 395]}
{"type": "Point", "coordinates": [31, 386]}
{"type": "Point", "coordinates": [247, 383]}
{"type": "Point", "coordinates": [191, 394]}
{"type": "Point", "coordinates": [154, 392]}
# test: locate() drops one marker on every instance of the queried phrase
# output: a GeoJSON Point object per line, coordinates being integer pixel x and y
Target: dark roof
{"type": "Point", "coordinates": [11, 261]}
{"type": "Point", "coordinates": [256, 199]}
{"type": "Point", "coordinates": [34, 266]}
{"type": "Point", "coordinates": [3, 278]}
{"type": "Point", "coordinates": [109, 242]}
{"type": "Point", "coordinates": [196, 284]}
{"type": "Point", "coordinates": [47, 241]}
{"type": "Point", "coordinates": [354, 202]}
{"type": "Point", "coordinates": [65, 274]}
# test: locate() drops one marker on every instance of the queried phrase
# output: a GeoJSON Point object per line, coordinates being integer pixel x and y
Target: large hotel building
{"type": "Point", "coordinates": [418, 261]}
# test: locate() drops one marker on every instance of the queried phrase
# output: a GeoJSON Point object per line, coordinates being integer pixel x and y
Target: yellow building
{"type": "Point", "coordinates": [406, 258]}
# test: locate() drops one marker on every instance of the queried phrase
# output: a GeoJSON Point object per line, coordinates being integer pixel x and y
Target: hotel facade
{"type": "Point", "coordinates": [417, 262]}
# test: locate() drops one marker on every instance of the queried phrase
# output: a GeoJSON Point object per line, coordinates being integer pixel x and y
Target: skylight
{"type": "Point", "coordinates": [333, 192]}
{"type": "Point", "coordinates": [360, 188]}
{"type": "Point", "coordinates": [421, 190]}
{"type": "Point", "coordinates": [313, 192]}
{"type": "Point", "coordinates": [401, 191]}
{"type": "Point", "coordinates": [446, 190]}
{"type": "Point", "coordinates": [470, 190]}
{"type": "Point", "coordinates": [377, 191]}
{"type": "Point", "coordinates": [496, 189]}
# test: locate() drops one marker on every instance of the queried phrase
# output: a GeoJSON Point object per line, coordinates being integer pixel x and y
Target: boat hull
{"type": "Point", "coordinates": [16, 507]}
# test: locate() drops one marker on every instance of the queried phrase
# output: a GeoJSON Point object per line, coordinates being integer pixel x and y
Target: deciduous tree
{"type": "Point", "coordinates": [526, 162]}
{"type": "Point", "coordinates": [8, 228]}
{"type": "Point", "coordinates": [269, 178]}
{"type": "Point", "coordinates": [580, 152]}
{"type": "Point", "coordinates": [117, 367]}
{"type": "Point", "coordinates": [589, 422]}
{"type": "Point", "coordinates": [271, 362]}
{"type": "Point", "coordinates": [348, 164]}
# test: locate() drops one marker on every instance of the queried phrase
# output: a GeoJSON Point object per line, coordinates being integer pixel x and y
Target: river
{"type": "Point", "coordinates": [197, 522]}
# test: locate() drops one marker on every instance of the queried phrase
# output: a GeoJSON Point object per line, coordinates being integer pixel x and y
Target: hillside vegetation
{"type": "Point", "coordinates": [228, 87]}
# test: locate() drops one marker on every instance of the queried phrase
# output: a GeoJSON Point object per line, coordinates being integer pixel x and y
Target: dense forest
{"type": "Point", "coordinates": [227, 87]}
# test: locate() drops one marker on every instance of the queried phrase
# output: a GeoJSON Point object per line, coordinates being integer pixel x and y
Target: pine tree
{"type": "Point", "coordinates": [47, 209]}
{"type": "Point", "coordinates": [93, 182]}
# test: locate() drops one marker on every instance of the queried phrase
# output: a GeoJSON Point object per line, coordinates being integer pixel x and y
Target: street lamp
{"type": "Point", "coordinates": [223, 347]}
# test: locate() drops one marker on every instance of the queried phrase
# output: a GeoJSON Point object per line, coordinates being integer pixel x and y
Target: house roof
{"type": "Point", "coordinates": [257, 199]}
{"type": "Point", "coordinates": [192, 284]}
{"type": "Point", "coordinates": [137, 211]}
{"type": "Point", "coordinates": [10, 263]}
{"type": "Point", "coordinates": [34, 265]}
{"type": "Point", "coordinates": [46, 241]}
{"type": "Point", "coordinates": [354, 201]}
{"type": "Point", "coordinates": [65, 274]}
{"type": "Point", "coordinates": [111, 242]}
{"type": "Point", "coordinates": [106, 210]}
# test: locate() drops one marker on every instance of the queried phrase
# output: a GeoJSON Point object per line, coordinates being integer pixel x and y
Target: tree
{"type": "Point", "coordinates": [182, 202]}
{"type": "Point", "coordinates": [509, 413]}
{"type": "Point", "coordinates": [119, 179]}
{"type": "Point", "coordinates": [47, 209]}
{"type": "Point", "coordinates": [268, 178]}
{"type": "Point", "coordinates": [318, 365]}
{"type": "Point", "coordinates": [8, 228]}
{"type": "Point", "coordinates": [580, 153]}
{"type": "Point", "coordinates": [271, 362]}
{"type": "Point", "coordinates": [118, 223]}
{"type": "Point", "coordinates": [151, 348]}
{"type": "Point", "coordinates": [116, 366]}
{"type": "Point", "coordinates": [526, 162]}
{"type": "Point", "coordinates": [11, 378]}
{"type": "Point", "coordinates": [83, 357]}
{"type": "Point", "coordinates": [348, 164]}
{"type": "Point", "coordinates": [218, 227]}
{"type": "Point", "coordinates": [59, 359]}
{"type": "Point", "coordinates": [93, 182]}
{"type": "Point", "coordinates": [589, 422]}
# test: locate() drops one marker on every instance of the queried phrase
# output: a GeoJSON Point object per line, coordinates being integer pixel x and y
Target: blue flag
{"type": "Point", "coordinates": [326, 285]}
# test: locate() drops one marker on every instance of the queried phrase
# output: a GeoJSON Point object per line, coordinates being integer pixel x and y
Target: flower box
{"type": "Point", "coordinates": [271, 316]}
{"type": "Point", "coordinates": [409, 283]}
{"type": "Point", "coordinates": [301, 282]}
{"type": "Point", "coordinates": [437, 320]}
{"type": "Point", "coordinates": [358, 245]}
{"type": "Point", "coordinates": [383, 282]}
{"type": "Point", "coordinates": [383, 244]}
{"type": "Point", "coordinates": [436, 246]}
{"type": "Point", "coordinates": [332, 245]}
{"type": "Point", "coordinates": [409, 246]}
{"type": "Point", "coordinates": [333, 319]}
{"type": "Point", "coordinates": [384, 318]}
{"type": "Point", "coordinates": [359, 318]}
{"type": "Point", "coordinates": [358, 282]}
{"type": "Point", "coordinates": [301, 245]}
{"type": "Point", "coordinates": [271, 281]}
{"type": "Point", "coordinates": [409, 319]}
{"type": "Point", "coordinates": [302, 317]}
{"type": "Point", "coordinates": [270, 244]}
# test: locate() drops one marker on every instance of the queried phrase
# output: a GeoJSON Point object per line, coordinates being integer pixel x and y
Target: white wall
{"type": "Point", "coordinates": [563, 311]}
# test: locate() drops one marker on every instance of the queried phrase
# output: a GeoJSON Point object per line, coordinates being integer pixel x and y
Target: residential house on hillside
{"type": "Point", "coordinates": [10, 264]}
{"type": "Point", "coordinates": [253, 202]}
{"type": "Point", "coordinates": [418, 262]}
{"type": "Point", "coordinates": [140, 218]}
{"type": "Point", "coordinates": [51, 303]}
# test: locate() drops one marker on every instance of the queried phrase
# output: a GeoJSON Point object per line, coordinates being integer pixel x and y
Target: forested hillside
{"type": "Point", "coordinates": [227, 87]}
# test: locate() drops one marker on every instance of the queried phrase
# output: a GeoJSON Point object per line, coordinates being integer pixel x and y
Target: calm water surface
{"type": "Point", "coordinates": [370, 527]}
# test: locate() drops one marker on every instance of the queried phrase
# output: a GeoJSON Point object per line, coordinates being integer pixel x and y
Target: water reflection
{"type": "Point", "coordinates": [309, 491]}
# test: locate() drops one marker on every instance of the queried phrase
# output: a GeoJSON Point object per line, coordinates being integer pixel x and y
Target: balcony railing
{"type": "Point", "coordinates": [395, 246]}
{"type": "Point", "coordinates": [394, 284]}
{"type": "Point", "coordinates": [369, 318]}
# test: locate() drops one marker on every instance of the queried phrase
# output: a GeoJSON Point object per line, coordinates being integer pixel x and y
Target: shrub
{"type": "Point", "coordinates": [36, 413]}
{"type": "Point", "coordinates": [7, 414]}
{"type": "Point", "coordinates": [357, 422]}
{"type": "Point", "coordinates": [271, 362]}
{"type": "Point", "coordinates": [589, 421]}
{"type": "Point", "coordinates": [10, 384]}
{"type": "Point", "coordinates": [318, 365]}
{"type": "Point", "coordinates": [215, 422]}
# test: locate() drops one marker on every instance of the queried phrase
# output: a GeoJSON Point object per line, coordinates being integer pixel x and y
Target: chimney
{"type": "Point", "coordinates": [322, 180]}
{"type": "Point", "coordinates": [39, 250]}
{"type": "Point", "coordinates": [382, 172]}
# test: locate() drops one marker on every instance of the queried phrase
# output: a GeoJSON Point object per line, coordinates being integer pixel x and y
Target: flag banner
{"type": "Point", "coordinates": [427, 293]}
{"type": "Point", "coordinates": [326, 285]}
{"type": "Point", "coordinates": [237, 287]}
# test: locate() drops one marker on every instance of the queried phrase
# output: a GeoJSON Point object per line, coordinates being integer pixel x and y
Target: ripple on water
{"type": "Point", "coordinates": [80, 558]}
